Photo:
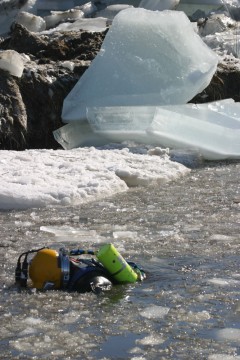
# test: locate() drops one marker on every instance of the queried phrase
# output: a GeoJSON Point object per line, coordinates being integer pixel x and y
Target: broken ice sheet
{"type": "Point", "coordinates": [208, 128]}
{"type": "Point", "coordinates": [147, 58]}
{"type": "Point", "coordinates": [212, 128]}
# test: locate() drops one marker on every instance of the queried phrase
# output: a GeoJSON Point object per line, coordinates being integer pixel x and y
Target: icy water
{"type": "Point", "coordinates": [184, 234]}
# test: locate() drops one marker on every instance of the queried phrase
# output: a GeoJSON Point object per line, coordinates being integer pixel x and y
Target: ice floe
{"type": "Point", "coordinates": [39, 178]}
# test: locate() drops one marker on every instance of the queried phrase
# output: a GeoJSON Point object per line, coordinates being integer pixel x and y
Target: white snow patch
{"type": "Point", "coordinates": [39, 178]}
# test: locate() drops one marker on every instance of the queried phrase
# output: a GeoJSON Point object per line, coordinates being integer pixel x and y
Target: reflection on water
{"type": "Point", "coordinates": [184, 234]}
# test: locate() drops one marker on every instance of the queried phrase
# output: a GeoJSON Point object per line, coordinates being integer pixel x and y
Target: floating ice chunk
{"type": "Point", "coordinates": [231, 334]}
{"type": "Point", "coordinates": [31, 22]}
{"type": "Point", "coordinates": [223, 238]}
{"type": "Point", "coordinates": [159, 4]}
{"type": "Point", "coordinates": [151, 340]}
{"type": "Point", "coordinates": [147, 58]}
{"type": "Point", "coordinates": [33, 321]}
{"type": "Point", "coordinates": [224, 282]}
{"type": "Point", "coordinates": [125, 235]}
{"type": "Point", "coordinates": [28, 331]}
{"type": "Point", "coordinates": [92, 25]}
{"type": "Point", "coordinates": [112, 10]}
{"type": "Point", "coordinates": [155, 312]}
{"type": "Point", "coordinates": [11, 61]}
{"type": "Point", "coordinates": [57, 16]}
{"type": "Point", "coordinates": [194, 316]}
{"type": "Point", "coordinates": [69, 234]}
{"type": "Point", "coordinates": [223, 357]}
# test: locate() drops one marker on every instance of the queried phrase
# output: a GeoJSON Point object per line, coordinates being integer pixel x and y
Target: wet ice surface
{"type": "Point", "coordinates": [185, 235]}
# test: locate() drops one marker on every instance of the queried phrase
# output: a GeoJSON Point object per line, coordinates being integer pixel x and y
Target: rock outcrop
{"type": "Point", "coordinates": [30, 106]}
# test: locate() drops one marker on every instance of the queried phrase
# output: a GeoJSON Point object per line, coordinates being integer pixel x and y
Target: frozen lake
{"type": "Point", "coordinates": [185, 235]}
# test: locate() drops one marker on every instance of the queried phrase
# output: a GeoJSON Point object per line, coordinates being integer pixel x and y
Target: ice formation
{"type": "Point", "coordinates": [62, 16]}
{"type": "Point", "coordinates": [12, 62]}
{"type": "Point", "coordinates": [98, 24]}
{"type": "Point", "coordinates": [216, 23]}
{"type": "Point", "coordinates": [225, 42]}
{"type": "Point", "coordinates": [9, 11]}
{"type": "Point", "coordinates": [31, 22]}
{"type": "Point", "coordinates": [147, 58]}
{"type": "Point", "coordinates": [213, 129]}
{"type": "Point", "coordinates": [112, 10]}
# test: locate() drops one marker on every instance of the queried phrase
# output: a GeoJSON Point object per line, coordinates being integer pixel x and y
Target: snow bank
{"type": "Point", "coordinates": [38, 178]}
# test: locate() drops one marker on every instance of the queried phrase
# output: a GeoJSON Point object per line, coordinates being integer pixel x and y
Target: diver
{"type": "Point", "coordinates": [67, 270]}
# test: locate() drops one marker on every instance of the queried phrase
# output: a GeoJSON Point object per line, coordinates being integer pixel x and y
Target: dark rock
{"type": "Point", "coordinates": [13, 118]}
{"type": "Point", "coordinates": [224, 84]}
{"type": "Point", "coordinates": [30, 107]}
{"type": "Point", "coordinates": [26, 42]}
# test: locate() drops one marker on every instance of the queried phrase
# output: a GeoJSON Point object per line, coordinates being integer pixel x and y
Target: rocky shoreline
{"type": "Point", "coordinates": [30, 106]}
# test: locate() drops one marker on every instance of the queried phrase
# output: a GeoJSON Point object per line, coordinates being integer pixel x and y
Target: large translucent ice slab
{"type": "Point", "coordinates": [78, 134]}
{"type": "Point", "coordinates": [213, 130]}
{"type": "Point", "coordinates": [147, 58]}
{"type": "Point", "coordinates": [122, 123]}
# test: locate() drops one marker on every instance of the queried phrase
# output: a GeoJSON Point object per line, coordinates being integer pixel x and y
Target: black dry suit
{"type": "Point", "coordinates": [88, 275]}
